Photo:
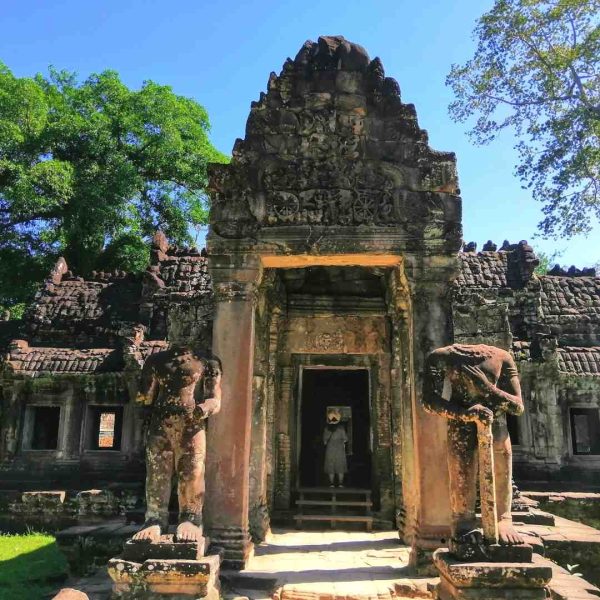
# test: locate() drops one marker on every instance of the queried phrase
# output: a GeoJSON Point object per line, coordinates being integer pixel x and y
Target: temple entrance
{"type": "Point", "coordinates": [346, 389]}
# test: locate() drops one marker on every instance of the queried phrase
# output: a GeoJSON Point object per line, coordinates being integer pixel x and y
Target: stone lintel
{"type": "Point", "coordinates": [295, 261]}
{"type": "Point", "coordinates": [324, 241]}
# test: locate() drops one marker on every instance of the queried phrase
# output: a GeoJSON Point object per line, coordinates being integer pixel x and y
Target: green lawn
{"type": "Point", "coordinates": [31, 566]}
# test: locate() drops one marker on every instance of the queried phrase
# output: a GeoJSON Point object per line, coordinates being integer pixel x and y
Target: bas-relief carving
{"type": "Point", "coordinates": [327, 147]}
{"type": "Point", "coordinates": [336, 335]}
{"type": "Point", "coordinates": [333, 207]}
{"type": "Point", "coordinates": [328, 342]}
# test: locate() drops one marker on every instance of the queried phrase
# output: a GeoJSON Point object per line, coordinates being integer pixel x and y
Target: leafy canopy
{"type": "Point", "coordinates": [90, 170]}
{"type": "Point", "coordinates": [536, 69]}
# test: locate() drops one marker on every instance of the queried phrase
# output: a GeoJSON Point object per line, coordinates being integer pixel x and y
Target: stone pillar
{"type": "Point", "coordinates": [432, 327]}
{"type": "Point", "coordinates": [228, 448]}
{"type": "Point", "coordinates": [283, 472]}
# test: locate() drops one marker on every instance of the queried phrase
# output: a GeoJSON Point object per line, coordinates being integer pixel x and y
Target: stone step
{"type": "Point", "coordinates": [335, 491]}
{"type": "Point", "coordinates": [368, 503]}
{"type": "Point", "coordinates": [348, 518]}
{"type": "Point", "coordinates": [533, 517]}
{"type": "Point", "coordinates": [236, 580]}
{"type": "Point", "coordinates": [333, 519]}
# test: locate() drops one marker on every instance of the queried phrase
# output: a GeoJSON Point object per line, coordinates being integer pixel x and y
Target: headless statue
{"type": "Point", "coordinates": [184, 389]}
{"type": "Point", "coordinates": [474, 387]}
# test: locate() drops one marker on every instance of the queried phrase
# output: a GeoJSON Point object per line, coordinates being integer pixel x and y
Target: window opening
{"type": "Point", "coordinates": [585, 430]}
{"type": "Point", "coordinates": [46, 420]}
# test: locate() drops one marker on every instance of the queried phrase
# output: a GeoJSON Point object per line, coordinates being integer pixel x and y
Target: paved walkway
{"type": "Point", "coordinates": [564, 530]}
{"type": "Point", "coordinates": [324, 565]}
{"type": "Point", "coordinates": [302, 565]}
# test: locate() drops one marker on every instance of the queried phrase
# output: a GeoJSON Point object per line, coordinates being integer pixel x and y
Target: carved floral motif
{"type": "Point", "coordinates": [328, 342]}
{"type": "Point", "coordinates": [333, 207]}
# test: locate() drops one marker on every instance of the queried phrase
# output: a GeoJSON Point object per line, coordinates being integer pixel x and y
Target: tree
{"type": "Point", "coordinates": [536, 70]}
{"type": "Point", "coordinates": [547, 261]}
{"type": "Point", "coordinates": [90, 170]}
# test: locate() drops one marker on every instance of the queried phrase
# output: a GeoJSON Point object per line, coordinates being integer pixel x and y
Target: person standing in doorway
{"type": "Point", "coordinates": [335, 439]}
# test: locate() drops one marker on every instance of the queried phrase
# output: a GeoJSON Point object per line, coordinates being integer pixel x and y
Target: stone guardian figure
{"type": "Point", "coordinates": [184, 389]}
{"type": "Point", "coordinates": [335, 439]}
{"type": "Point", "coordinates": [474, 386]}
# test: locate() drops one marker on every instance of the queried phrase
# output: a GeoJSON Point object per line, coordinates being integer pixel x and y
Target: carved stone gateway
{"type": "Point", "coordinates": [334, 178]}
{"type": "Point", "coordinates": [332, 146]}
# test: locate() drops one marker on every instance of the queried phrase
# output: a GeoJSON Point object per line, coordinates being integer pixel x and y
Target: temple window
{"type": "Point", "coordinates": [105, 424]}
{"type": "Point", "coordinates": [585, 430]}
{"type": "Point", "coordinates": [44, 422]}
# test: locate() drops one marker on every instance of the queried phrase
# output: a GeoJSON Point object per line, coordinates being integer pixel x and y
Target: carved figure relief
{"type": "Point", "coordinates": [329, 342]}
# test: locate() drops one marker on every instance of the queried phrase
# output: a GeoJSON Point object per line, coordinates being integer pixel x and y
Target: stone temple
{"type": "Point", "coordinates": [334, 264]}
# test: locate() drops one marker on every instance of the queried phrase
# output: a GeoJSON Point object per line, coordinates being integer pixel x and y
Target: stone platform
{"type": "Point", "coordinates": [340, 565]}
{"type": "Point", "coordinates": [166, 569]}
{"type": "Point", "coordinates": [295, 565]}
{"type": "Point", "coordinates": [491, 580]}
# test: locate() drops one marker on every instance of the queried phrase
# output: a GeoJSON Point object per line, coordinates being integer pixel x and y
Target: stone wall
{"type": "Point", "coordinates": [551, 324]}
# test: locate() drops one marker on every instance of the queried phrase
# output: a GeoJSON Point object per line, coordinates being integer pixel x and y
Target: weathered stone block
{"type": "Point", "coordinates": [448, 591]}
{"type": "Point", "coordinates": [521, 553]}
{"type": "Point", "coordinates": [165, 578]}
{"type": "Point", "coordinates": [96, 502]}
{"type": "Point", "coordinates": [166, 548]}
{"type": "Point", "coordinates": [51, 498]}
{"type": "Point", "coordinates": [356, 103]}
{"type": "Point", "coordinates": [46, 502]}
{"type": "Point", "coordinates": [492, 574]}
{"type": "Point", "coordinates": [318, 101]}
{"type": "Point", "coordinates": [349, 82]}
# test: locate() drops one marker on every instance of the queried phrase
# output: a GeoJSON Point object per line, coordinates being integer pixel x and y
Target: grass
{"type": "Point", "coordinates": [31, 566]}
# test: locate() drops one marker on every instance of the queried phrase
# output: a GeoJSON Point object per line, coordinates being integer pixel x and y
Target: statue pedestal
{"type": "Point", "coordinates": [490, 580]}
{"type": "Point", "coordinates": [165, 570]}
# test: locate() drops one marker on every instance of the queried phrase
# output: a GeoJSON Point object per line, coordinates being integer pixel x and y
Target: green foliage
{"type": "Point", "coordinates": [31, 566]}
{"type": "Point", "coordinates": [90, 170]}
{"type": "Point", "coordinates": [536, 70]}
{"type": "Point", "coordinates": [547, 261]}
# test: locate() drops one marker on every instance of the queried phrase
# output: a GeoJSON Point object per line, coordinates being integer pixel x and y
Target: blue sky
{"type": "Point", "coordinates": [221, 54]}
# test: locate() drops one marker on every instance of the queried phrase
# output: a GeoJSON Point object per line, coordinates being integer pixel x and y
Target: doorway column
{"type": "Point", "coordinates": [235, 280]}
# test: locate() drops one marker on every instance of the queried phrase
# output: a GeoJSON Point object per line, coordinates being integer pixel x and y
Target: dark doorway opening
{"type": "Point", "coordinates": [347, 389]}
{"type": "Point", "coordinates": [46, 420]}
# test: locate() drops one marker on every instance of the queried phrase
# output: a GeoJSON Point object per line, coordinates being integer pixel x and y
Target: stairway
{"type": "Point", "coordinates": [334, 505]}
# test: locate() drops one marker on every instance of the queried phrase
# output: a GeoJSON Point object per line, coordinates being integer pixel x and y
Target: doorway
{"type": "Point", "coordinates": [347, 389]}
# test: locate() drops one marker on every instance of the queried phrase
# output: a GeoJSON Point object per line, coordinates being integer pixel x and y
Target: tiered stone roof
{"type": "Point", "coordinates": [184, 275]}
{"type": "Point", "coordinates": [78, 325]}
{"type": "Point", "coordinates": [579, 361]}
{"type": "Point", "coordinates": [37, 360]}
{"type": "Point", "coordinates": [72, 311]}
{"type": "Point", "coordinates": [509, 267]}
{"type": "Point", "coordinates": [567, 302]}
{"type": "Point", "coordinates": [81, 325]}
{"type": "Point", "coordinates": [483, 269]}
